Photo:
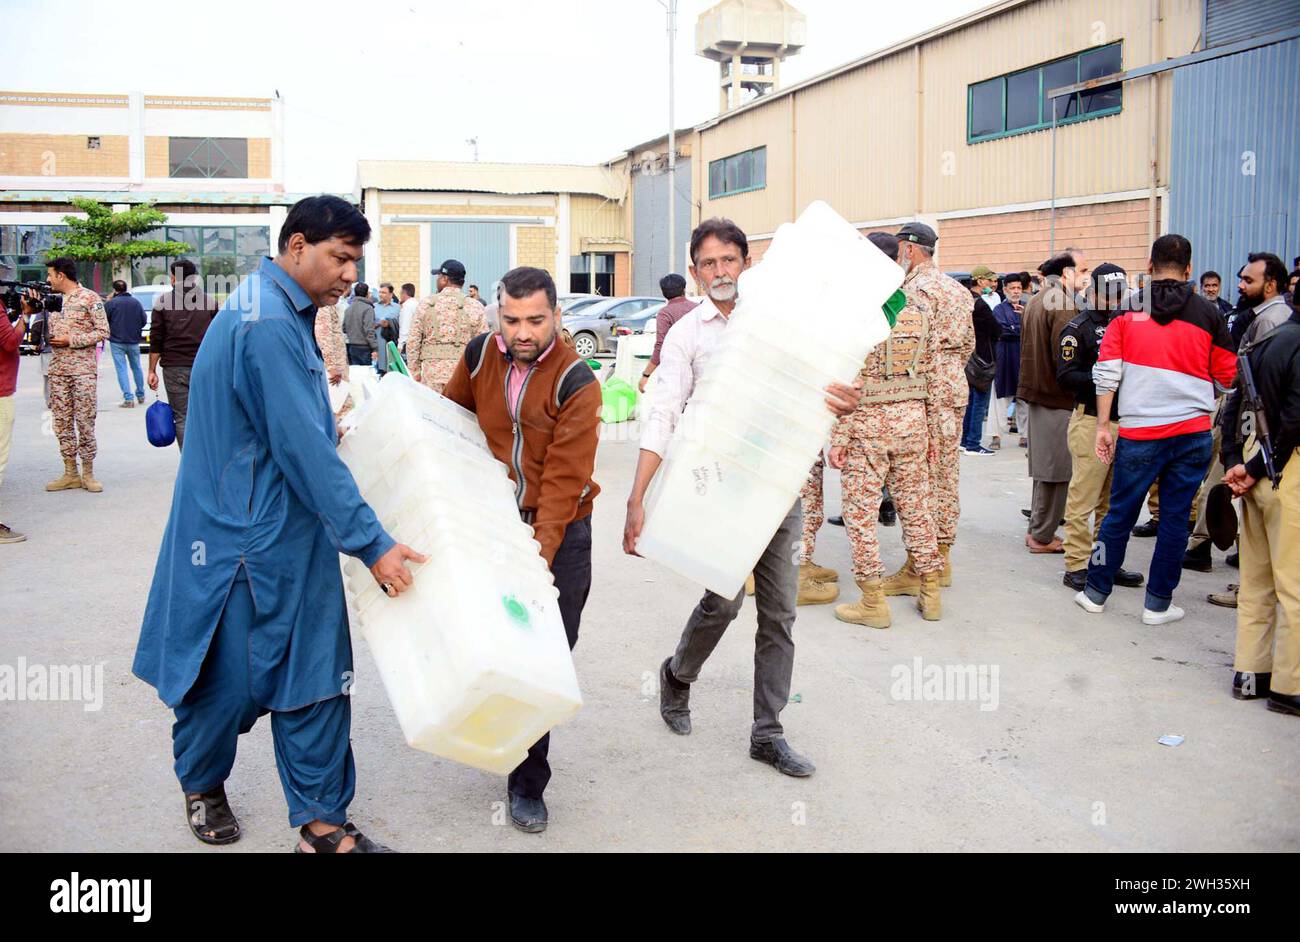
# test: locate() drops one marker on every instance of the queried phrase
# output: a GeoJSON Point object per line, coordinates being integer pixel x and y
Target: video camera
{"type": "Point", "coordinates": [13, 292]}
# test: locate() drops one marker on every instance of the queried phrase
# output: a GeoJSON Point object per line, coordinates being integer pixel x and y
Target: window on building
{"type": "Point", "coordinates": [738, 173]}
{"type": "Point", "coordinates": [219, 157]}
{"type": "Point", "coordinates": [224, 255]}
{"type": "Point", "coordinates": [581, 275]}
{"type": "Point", "coordinates": [1017, 103]}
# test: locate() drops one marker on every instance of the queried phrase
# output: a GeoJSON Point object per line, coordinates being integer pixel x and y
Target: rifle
{"type": "Point", "coordinates": [1250, 401]}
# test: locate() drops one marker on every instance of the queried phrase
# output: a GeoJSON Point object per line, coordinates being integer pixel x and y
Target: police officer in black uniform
{"type": "Point", "coordinates": [1089, 491]}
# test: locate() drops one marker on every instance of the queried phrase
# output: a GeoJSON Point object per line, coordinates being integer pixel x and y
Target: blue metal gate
{"type": "Point", "coordinates": [482, 247]}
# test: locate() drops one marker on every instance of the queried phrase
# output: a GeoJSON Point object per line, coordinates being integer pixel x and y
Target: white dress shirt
{"type": "Point", "coordinates": [404, 319]}
{"type": "Point", "coordinates": [686, 349]}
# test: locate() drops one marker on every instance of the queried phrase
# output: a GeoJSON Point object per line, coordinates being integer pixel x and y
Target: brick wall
{"type": "Point", "coordinates": [1105, 232]}
{"type": "Point", "coordinates": [259, 158]}
{"type": "Point", "coordinates": [156, 157]}
{"type": "Point", "coordinates": [399, 247]}
{"type": "Point", "coordinates": [622, 274]}
{"type": "Point", "coordinates": [63, 155]}
{"type": "Point", "coordinates": [535, 246]}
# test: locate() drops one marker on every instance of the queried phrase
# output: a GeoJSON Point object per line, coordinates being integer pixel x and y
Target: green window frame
{"type": "Point", "coordinates": [739, 173]}
{"type": "Point", "coordinates": [1079, 106]}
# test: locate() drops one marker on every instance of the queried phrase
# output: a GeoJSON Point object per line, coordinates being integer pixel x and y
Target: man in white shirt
{"type": "Point", "coordinates": [719, 253]}
{"type": "Point", "coordinates": [406, 315]}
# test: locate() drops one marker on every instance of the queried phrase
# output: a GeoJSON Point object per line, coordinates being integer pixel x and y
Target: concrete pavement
{"type": "Point", "coordinates": [1068, 759]}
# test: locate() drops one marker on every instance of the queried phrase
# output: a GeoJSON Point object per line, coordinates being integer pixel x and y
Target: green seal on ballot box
{"type": "Point", "coordinates": [516, 610]}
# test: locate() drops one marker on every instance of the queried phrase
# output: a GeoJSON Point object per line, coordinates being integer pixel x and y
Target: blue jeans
{"type": "Point", "coordinates": [977, 410]}
{"type": "Point", "coordinates": [1180, 463]}
{"type": "Point", "coordinates": [124, 353]}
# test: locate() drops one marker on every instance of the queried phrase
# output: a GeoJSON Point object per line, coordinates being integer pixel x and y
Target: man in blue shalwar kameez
{"type": "Point", "coordinates": [246, 614]}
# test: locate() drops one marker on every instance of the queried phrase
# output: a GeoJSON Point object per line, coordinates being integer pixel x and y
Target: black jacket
{"type": "Point", "coordinates": [1076, 354]}
{"type": "Point", "coordinates": [987, 331]}
{"type": "Point", "coordinates": [1275, 363]}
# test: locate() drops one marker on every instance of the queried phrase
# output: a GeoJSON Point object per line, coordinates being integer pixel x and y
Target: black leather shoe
{"type": "Point", "coordinates": [1025, 512]}
{"type": "Point", "coordinates": [674, 704]}
{"type": "Point", "coordinates": [1147, 529]}
{"type": "Point", "coordinates": [777, 753]}
{"type": "Point", "coordinates": [888, 514]}
{"type": "Point", "coordinates": [1128, 579]}
{"type": "Point", "coordinates": [1198, 558]}
{"type": "Point", "coordinates": [835, 521]}
{"type": "Point", "coordinates": [1251, 686]}
{"type": "Point", "coordinates": [1233, 560]}
{"type": "Point", "coordinates": [1284, 703]}
{"type": "Point", "coordinates": [1076, 580]}
{"type": "Point", "coordinates": [527, 814]}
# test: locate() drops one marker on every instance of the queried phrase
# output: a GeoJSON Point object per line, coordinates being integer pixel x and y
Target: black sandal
{"type": "Point", "coordinates": [210, 817]}
{"type": "Point", "coordinates": [329, 843]}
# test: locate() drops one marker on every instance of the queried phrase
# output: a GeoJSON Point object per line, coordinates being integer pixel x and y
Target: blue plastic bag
{"type": "Point", "coordinates": [160, 424]}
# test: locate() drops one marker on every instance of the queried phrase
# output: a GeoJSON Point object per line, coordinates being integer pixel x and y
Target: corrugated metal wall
{"type": "Point", "coordinates": [1235, 181]}
{"type": "Point", "coordinates": [855, 137]}
{"type": "Point", "coordinates": [593, 217]}
{"type": "Point", "coordinates": [855, 141]}
{"type": "Point", "coordinates": [482, 247]}
{"type": "Point", "coordinates": [1229, 20]}
{"type": "Point", "coordinates": [650, 220]}
{"type": "Point", "coordinates": [1104, 155]}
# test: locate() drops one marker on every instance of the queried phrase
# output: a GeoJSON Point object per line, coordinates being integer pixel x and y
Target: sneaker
{"type": "Point", "coordinates": [1088, 605]}
{"type": "Point", "coordinates": [10, 536]}
{"type": "Point", "coordinates": [979, 452]}
{"type": "Point", "coordinates": [1172, 613]}
{"type": "Point", "coordinates": [129, 404]}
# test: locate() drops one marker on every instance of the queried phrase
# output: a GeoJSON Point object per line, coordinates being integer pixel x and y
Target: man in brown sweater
{"type": "Point", "coordinates": [1050, 406]}
{"type": "Point", "coordinates": [538, 404]}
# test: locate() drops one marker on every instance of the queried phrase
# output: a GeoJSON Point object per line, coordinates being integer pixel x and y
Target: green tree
{"type": "Point", "coordinates": [109, 237]}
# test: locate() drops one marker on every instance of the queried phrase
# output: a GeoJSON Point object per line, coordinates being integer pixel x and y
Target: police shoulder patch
{"type": "Point", "coordinates": [1069, 346]}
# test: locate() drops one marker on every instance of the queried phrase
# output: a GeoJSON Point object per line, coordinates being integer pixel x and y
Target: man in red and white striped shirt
{"type": "Point", "coordinates": [1171, 354]}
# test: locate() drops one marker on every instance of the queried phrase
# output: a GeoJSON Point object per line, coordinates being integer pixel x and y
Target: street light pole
{"type": "Point", "coordinates": [671, 7]}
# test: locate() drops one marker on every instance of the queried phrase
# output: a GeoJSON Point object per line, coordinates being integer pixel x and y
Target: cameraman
{"type": "Point", "coordinates": [11, 334]}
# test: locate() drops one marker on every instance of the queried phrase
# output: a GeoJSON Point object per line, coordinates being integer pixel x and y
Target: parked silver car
{"type": "Point", "coordinates": [593, 326]}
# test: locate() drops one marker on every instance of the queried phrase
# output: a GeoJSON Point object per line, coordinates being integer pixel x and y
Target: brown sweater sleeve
{"type": "Point", "coordinates": [567, 468]}
{"type": "Point", "coordinates": [459, 389]}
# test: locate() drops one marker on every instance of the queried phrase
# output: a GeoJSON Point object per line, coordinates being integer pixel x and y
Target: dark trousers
{"type": "Point", "coordinates": [358, 354]}
{"type": "Point", "coordinates": [571, 571]}
{"type": "Point", "coordinates": [977, 410]}
{"type": "Point", "coordinates": [776, 590]}
{"type": "Point", "coordinates": [1180, 463]}
{"type": "Point", "coordinates": [313, 749]}
{"type": "Point", "coordinates": [176, 382]}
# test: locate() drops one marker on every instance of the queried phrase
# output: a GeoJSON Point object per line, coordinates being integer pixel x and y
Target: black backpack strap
{"type": "Point", "coordinates": [575, 376]}
{"type": "Point", "coordinates": [474, 353]}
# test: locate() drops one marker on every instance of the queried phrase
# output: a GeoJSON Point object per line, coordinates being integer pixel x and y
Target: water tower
{"type": "Point", "coordinates": [749, 38]}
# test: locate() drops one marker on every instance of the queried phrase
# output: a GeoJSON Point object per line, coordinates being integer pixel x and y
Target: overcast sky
{"type": "Point", "coordinates": [564, 81]}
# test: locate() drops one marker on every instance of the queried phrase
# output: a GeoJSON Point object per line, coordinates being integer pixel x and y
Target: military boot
{"type": "Point", "coordinates": [88, 478]}
{"type": "Point", "coordinates": [70, 480]}
{"type": "Point", "coordinates": [903, 582]}
{"type": "Point", "coordinates": [945, 577]}
{"type": "Point", "coordinates": [810, 570]}
{"type": "Point", "coordinates": [813, 592]}
{"type": "Point", "coordinates": [927, 599]}
{"type": "Point", "coordinates": [872, 610]}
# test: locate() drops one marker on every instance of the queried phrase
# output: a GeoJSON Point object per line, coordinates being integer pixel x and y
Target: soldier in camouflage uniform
{"type": "Point", "coordinates": [886, 441]}
{"type": "Point", "coordinates": [444, 323]}
{"type": "Point", "coordinates": [817, 584]}
{"type": "Point", "coordinates": [951, 305]}
{"type": "Point", "coordinates": [74, 379]}
{"type": "Point", "coordinates": [333, 349]}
